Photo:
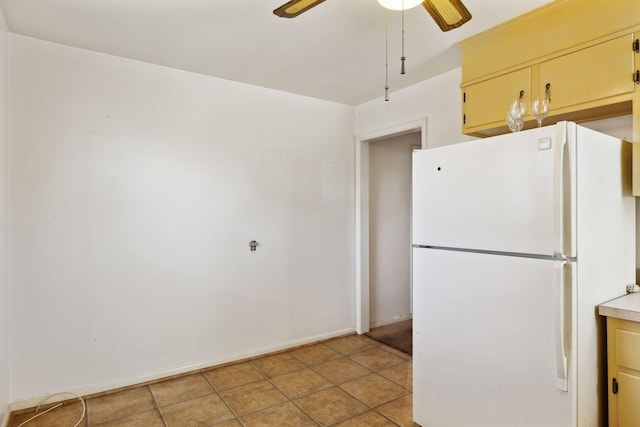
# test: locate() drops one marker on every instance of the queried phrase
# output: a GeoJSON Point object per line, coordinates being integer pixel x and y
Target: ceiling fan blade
{"type": "Point", "coordinates": [294, 8]}
{"type": "Point", "coordinates": [448, 14]}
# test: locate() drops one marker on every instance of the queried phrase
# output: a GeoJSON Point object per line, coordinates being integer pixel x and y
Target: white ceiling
{"type": "Point", "coordinates": [335, 51]}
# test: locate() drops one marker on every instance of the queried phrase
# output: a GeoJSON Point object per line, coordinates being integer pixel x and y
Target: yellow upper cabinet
{"type": "Point", "coordinates": [597, 75]}
{"type": "Point", "coordinates": [557, 28]}
{"type": "Point", "coordinates": [485, 103]}
{"type": "Point", "coordinates": [582, 48]}
{"type": "Point", "coordinates": [636, 122]}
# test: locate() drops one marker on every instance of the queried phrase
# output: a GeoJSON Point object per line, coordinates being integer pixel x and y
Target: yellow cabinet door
{"type": "Point", "coordinates": [485, 103]}
{"type": "Point", "coordinates": [623, 358]}
{"type": "Point", "coordinates": [636, 124]}
{"type": "Point", "coordinates": [628, 406]}
{"type": "Point", "coordinates": [598, 75]}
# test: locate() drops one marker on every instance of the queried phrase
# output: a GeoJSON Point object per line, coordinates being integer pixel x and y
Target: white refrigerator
{"type": "Point", "coordinates": [516, 240]}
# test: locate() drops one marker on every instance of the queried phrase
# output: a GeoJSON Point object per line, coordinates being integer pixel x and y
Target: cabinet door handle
{"type": "Point", "coordinates": [547, 92]}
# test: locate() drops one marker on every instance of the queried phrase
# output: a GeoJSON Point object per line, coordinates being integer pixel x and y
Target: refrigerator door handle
{"type": "Point", "coordinates": [559, 326]}
{"type": "Point", "coordinates": [558, 196]}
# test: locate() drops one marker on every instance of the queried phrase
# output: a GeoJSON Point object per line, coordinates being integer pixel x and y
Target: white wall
{"type": "Point", "coordinates": [4, 284]}
{"type": "Point", "coordinates": [390, 228]}
{"type": "Point", "coordinates": [134, 192]}
{"type": "Point", "coordinates": [438, 99]}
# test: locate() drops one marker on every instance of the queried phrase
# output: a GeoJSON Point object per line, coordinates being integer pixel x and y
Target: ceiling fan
{"type": "Point", "coordinates": [448, 14]}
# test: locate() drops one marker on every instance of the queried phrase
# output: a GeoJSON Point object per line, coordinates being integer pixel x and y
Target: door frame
{"type": "Point", "coordinates": [362, 210]}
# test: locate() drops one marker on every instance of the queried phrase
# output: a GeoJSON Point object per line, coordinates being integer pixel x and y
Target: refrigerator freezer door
{"type": "Point", "coordinates": [485, 336]}
{"type": "Point", "coordinates": [498, 194]}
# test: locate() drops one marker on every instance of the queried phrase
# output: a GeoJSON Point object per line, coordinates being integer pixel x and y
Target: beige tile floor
{"type": "Point", "coordinates": [347, 382]}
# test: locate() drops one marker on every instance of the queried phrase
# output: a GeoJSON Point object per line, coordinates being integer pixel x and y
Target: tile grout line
{"type": "Point", "coordinates": [377, 371]}
{"type": "Point", "coordinates": [333, 383]}
{"type": "Point", "coordinates": [374, 372]}
{"type": "Point", "coordinates": [371, 372]}
{"type": "Point", "coordinates": [357, 415]}
{"type": "Point", "coordinates": [310, 367]}
{"type": "Point", "coordinates": [88, 424]}
{"type": "Point", "coordinates": [410, 390]}
{"type": "Point", "coordinates": [393, 400]}
{"type": "Point", "coordinates": [328, 379]}
{"type": "Point", "coordinates": [283, 393]}
{"type": "Point", "coordinates": [304, 366]}
{"type": "Point", "coordinates": [216, 391]}
{"type": "Point", "coordinates": [155, 400]}
{"type": "Point", "coordinates": [339, 386]}
{"type": "Point", "coordinates": [122, 417]}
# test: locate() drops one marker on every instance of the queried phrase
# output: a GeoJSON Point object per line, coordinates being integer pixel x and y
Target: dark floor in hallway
{"type": "Point", "coordinates": [397, 335]}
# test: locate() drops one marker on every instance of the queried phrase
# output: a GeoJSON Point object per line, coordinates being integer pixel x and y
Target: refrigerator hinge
{"type": "Point", "coordinates": [636, 77]}
{"type": "Point", "coordinates": [614, 386]}
{"type": "Point", "coordinates": [636, 45]}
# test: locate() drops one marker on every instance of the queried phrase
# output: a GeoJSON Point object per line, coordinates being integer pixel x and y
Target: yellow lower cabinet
{"type": "Point", "coordinates": [623, 348]}
{"type": "Point", "coordinates": [628, 405]}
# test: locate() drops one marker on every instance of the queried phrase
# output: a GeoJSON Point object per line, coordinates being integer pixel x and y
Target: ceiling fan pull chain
{"type": "Point", "coordinates": [402, 58]}
{"type": "Point", "coordinates": [386, 55]}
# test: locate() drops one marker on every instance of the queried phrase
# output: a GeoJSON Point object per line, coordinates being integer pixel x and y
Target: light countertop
{"type": "Point", "coordinates": [627, 307]}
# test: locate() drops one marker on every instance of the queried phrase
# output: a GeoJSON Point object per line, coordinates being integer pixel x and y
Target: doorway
{"type": "Point", "coordinates": [390, 228]}
{"type": "Point", "coordinates": [390, 292]}
{"type": "Point", "coordinates": [363, 216]}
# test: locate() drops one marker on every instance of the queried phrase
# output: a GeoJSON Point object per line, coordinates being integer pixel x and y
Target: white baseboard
{"type": "Point", "coordinates": [85, 391]}
{"type": "Point", "coordinates": [394, 319]}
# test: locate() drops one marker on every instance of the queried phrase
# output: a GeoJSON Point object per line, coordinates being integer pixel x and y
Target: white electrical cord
{"type": "Point", "coordinates": [84, 408]}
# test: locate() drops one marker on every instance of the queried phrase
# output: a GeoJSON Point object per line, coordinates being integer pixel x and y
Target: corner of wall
{"type": "Point", "coordinates": [3, 22]}
{"type": "Point", "coordinates": [5, 391]}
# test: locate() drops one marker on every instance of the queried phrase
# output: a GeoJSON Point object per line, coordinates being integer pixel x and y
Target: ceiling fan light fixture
{"type": "Point", "coordinates": [399, 4]}
{"type": "Point", "coordinates": [294, 8]}
{"type": "Point", "coordinates": [448, 14]}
